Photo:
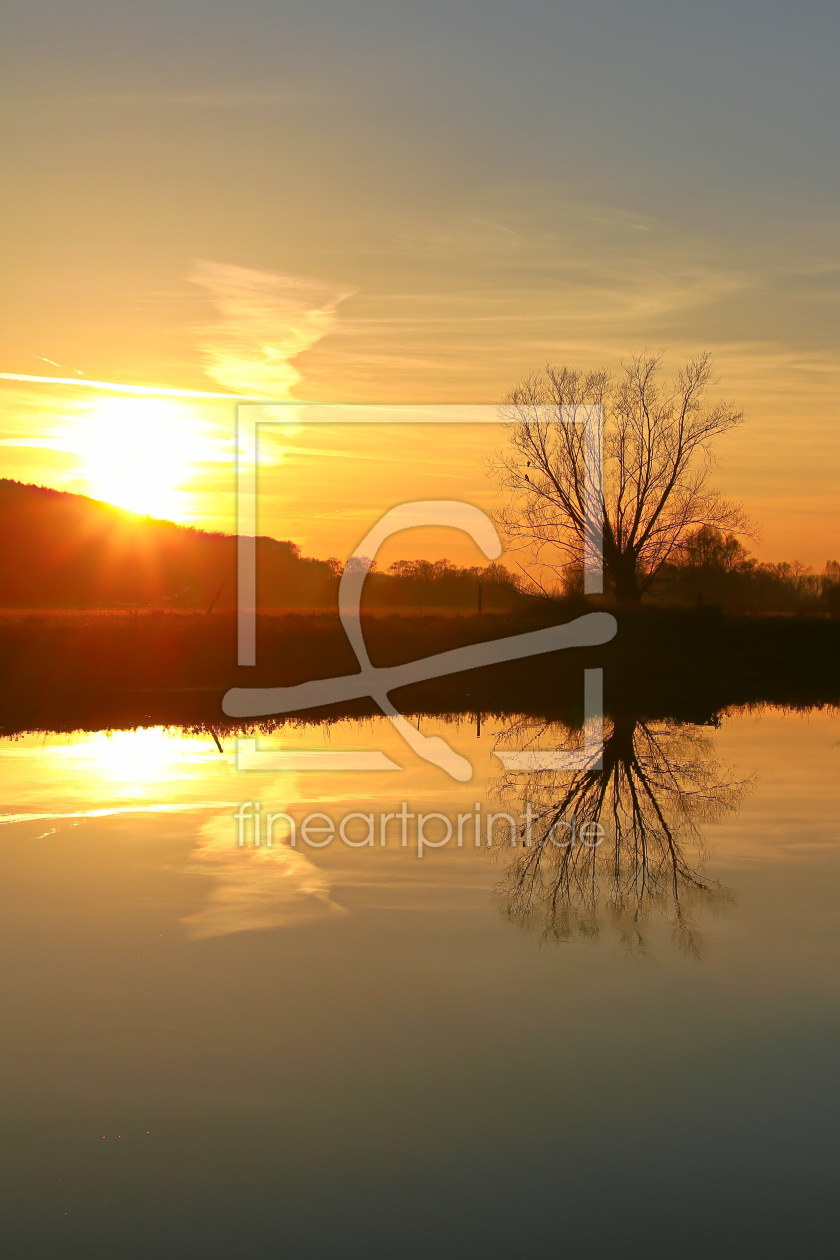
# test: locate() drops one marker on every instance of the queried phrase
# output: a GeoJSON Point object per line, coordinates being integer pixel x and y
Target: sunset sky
{"type": "Point", "coordinates": [416, 203]}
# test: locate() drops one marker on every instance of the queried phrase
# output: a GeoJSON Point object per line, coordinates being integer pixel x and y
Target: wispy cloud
{"type": "Point", "coordinates": [265, 320]}
{"type": "Point", "coordinates": [110, 387]}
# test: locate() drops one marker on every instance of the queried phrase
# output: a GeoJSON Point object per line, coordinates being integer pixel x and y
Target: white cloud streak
{"type": "Point", "coordinates": [265, 320]}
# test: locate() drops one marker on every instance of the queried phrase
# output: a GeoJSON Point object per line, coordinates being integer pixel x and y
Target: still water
{"type": "Point", "coordinates": [627, 1047]}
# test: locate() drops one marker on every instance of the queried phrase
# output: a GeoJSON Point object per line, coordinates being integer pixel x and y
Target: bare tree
{"type": "Point", "coordinates": [656, 463]}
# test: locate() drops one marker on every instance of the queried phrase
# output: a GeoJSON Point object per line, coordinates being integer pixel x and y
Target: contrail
{"type": "Point", "coordinates": [113, 387]}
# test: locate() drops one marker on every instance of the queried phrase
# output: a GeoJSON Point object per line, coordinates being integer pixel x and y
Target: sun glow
{"type": "Point", "coordinates": [147, 756]}
{"type": "Point", "coordinates": [142, 453]}
{"type": "Point", "coordinates": [150, 762]}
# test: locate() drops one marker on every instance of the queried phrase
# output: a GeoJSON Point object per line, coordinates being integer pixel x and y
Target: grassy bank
{"type": "Point", "coordinates": [111, 670]}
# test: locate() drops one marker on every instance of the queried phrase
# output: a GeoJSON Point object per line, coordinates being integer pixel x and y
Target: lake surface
{"type": "Point", "coordinates": [609, 1049]}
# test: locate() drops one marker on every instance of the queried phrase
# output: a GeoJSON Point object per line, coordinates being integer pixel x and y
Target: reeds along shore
{"type": "Point", "coordinates": [92, 670]}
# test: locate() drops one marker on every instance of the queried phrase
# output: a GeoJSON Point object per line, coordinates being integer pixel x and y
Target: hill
{"type": "Point", "coordinates": [68, 551]}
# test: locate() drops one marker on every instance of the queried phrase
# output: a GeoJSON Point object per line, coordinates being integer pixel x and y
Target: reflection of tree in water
{"type": "Point", "coordinates": [657, 783]}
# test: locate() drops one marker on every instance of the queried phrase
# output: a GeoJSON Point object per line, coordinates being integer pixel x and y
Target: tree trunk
{"type": "Point", "coordinates": [626, 581]}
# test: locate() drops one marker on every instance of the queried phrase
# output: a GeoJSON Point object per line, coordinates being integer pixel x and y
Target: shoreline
{"type": "Point", "coordinates": [94, 671]}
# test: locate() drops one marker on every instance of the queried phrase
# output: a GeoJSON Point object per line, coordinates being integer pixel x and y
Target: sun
{"type": "Point", "coordinates": [141, 453]}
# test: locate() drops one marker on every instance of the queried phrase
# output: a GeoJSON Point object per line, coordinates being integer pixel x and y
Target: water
{"type": "Point", "coordinates": [213, 1050]}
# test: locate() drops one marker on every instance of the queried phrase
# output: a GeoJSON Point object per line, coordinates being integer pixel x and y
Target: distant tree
{"type": "Point", "coordinates": [830, 587]}
{"type": "Point", "coordinates": [656, 464]}
{"type": "Point", "coordinates": [714, 567]}
{"type": "Point", "coordinates": [441, 584]}
{"type": "Point", "coordinates": [710, 548]}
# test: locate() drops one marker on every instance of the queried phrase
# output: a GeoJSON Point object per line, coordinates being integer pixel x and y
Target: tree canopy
{"type": "Point", "coordinates": [627, 458]}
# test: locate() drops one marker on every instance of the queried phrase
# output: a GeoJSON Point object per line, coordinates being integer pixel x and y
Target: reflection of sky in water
{"type": "Point", "coordinates": [158, 778]}
{"type": "Point", "coordinates": [165, 782]}
{"type": "Point", "coordinates": [399, 1051]}
{"type": "Point", "coordinates": [255, 888]}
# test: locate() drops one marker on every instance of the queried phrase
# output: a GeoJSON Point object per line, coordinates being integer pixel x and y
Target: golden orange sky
{"type": "Point", "coordinates": [173, 456]}
{"type": "Point", "coordinates": [217, 209]}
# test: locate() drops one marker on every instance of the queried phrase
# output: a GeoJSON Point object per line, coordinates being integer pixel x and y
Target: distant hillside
{"type": "Point", "coordinates": [67, 551]}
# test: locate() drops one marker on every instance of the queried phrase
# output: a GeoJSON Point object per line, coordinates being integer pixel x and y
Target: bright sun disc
{"type": "Point", "coordinates": [141, 453]}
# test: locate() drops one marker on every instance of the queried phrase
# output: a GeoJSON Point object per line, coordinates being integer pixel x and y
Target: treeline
{"type": "Point", "coordinates": [715, 569]}
{"type": "Point", "coordinates": [439, 585]}
{"type": "Point", "coordinates": [65, 551]}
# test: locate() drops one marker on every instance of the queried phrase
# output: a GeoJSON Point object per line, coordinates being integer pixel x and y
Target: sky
{"type": "Point", "coordinates": [345, 201]}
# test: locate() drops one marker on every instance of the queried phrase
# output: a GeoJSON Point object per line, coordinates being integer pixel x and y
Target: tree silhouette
{"type": "Point", "coordinates": [656, 784]}
{"type": "Point", "coordinates": [656, 453]}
